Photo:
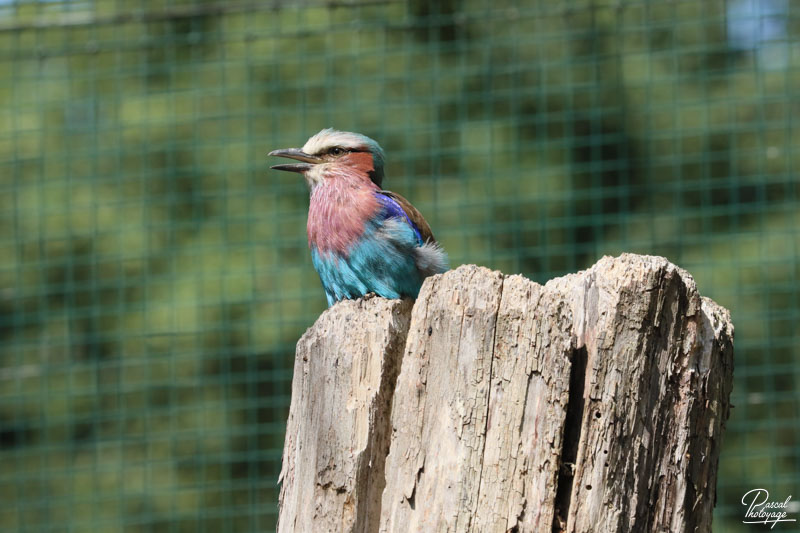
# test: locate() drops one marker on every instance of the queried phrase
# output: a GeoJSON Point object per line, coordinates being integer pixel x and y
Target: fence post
{"type": "Point", "coordinates": [596, 402]}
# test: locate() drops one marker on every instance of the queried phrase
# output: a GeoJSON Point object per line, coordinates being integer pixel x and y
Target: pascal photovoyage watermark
{"type": "Point", "coordinates": [762, 510]}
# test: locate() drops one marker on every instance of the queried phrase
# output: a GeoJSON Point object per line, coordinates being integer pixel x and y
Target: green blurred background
{"type": "Point", "coordinates": [154, 274]}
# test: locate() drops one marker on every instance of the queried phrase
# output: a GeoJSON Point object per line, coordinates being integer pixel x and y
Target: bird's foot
{"type": "Point", "coordinates": [369, 296]}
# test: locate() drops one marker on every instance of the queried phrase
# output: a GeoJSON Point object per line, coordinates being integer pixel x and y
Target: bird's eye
{"type": "Point", "coordinates": [337, 151]}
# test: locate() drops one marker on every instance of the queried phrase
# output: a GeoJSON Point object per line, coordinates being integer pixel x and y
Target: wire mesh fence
{"type": "Point", "coordinates": [154, 274]}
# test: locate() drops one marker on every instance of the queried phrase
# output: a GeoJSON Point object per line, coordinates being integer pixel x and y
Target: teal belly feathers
{"type": "Point", "coordinates": [384, 261]}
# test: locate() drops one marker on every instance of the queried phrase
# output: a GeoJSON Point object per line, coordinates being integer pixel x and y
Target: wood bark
{"type": "Point", "coordinates": [596, 402]}
{"type": "Point", "coordinates": [337, 435]}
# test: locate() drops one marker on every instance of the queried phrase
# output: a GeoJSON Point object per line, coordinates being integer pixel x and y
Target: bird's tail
{"type": "Point", "coordinates": [431, 259]}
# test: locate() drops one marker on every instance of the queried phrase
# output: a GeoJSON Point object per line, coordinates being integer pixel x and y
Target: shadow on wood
{"type": "Point", "coordinates": [593, 403]}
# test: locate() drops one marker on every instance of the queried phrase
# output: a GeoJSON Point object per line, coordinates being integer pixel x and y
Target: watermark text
{"type": "Point", "coordinates": [760, 510]}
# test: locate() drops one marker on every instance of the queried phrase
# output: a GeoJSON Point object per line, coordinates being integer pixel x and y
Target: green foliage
{"type": "Point", "coordinates": [154, 274]}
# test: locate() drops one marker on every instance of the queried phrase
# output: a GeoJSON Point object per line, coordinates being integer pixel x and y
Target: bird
{"type": "Point", "coordinates": [363, 239]}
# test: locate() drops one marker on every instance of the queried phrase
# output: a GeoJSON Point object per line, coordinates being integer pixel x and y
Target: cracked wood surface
{"type": "Point", "coordinates": [337, 437]}
{"type": "Point", "coordinates": [481, 428]}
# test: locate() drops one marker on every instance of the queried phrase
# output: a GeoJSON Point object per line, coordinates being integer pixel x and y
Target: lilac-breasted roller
{"type": "Point", "coordinates": [362, 239]}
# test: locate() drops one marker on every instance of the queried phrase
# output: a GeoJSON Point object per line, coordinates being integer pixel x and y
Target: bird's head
{"type": "Point", "coordinates": [332, 153]}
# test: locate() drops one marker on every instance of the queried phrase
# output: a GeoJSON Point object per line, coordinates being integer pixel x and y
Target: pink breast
{"type": "Point", "coordinates": [338, 212]}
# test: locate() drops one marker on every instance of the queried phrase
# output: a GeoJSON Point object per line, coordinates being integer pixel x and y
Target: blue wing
{"type": "Point", "coordinates": [393, 209]}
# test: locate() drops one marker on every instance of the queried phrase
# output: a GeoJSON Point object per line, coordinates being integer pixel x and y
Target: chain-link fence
{"type": "Point", "coordinates": [154, 273]}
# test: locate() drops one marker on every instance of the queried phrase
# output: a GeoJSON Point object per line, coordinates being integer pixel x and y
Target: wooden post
{"type": "Point", "coordinates": [594, 403]}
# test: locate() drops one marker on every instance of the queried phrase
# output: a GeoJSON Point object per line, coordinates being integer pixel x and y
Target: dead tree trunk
{"type": "Point", "coordinates": [593, 403]}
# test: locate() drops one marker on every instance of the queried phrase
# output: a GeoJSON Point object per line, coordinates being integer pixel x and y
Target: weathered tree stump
{"type": "Point", "coordinates": [594, 403]}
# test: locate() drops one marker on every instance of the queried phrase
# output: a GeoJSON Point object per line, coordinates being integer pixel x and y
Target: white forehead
{"type": "Point", "coordinates": [328, 138]}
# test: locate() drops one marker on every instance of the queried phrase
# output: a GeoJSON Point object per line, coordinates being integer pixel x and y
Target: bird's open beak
{"type": "Point", "coordinates": [308, 160]}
